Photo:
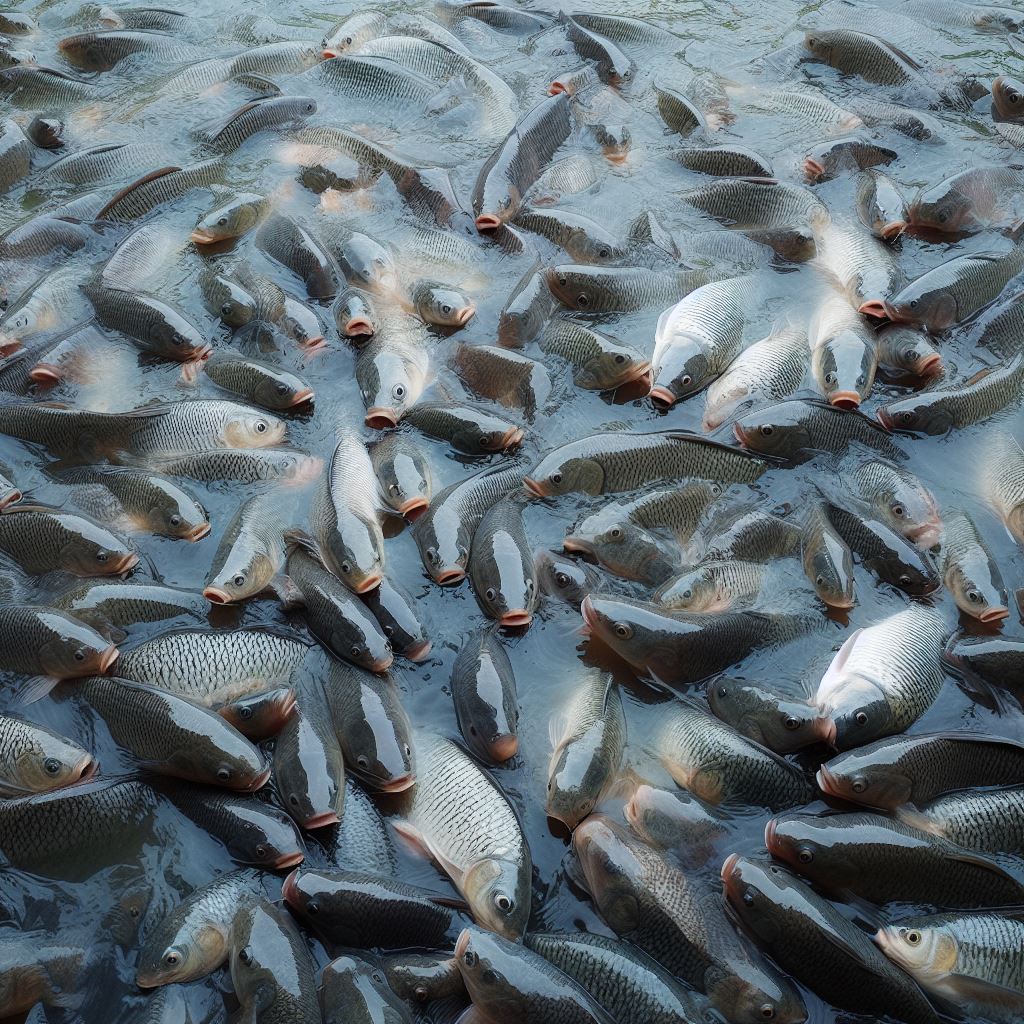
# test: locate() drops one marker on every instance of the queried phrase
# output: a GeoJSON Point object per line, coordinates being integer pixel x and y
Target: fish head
{"type": "Point", "coordinates": [844, 368]}
{"type": "Point", "coordinates": [497, 896]}
{"type": "Point", "coordinates": [910, 350]}
{"type": "Point", "coordinates": [752, 889]}
{"type": "Point", "coordinates": [406, 483]}
{"type": "Point", "coordinates": [250, 429]}
{"type": "Point", "coordinates": [682, 370]}
{"type": "Point", "coordinates": [942, 209]}
{"type": "Point", "coordinates": [981, 597]}
{"type": "Point", "coordinates": [485, 433]}
{"type": "Point", "coordinates": [574, 287]}
{"type": "Point", "coordinates": [615, 141]}
{"type": "Point", "coordinates": [829, 567]}
{"type": "Point", "coordinates": [389, 382]}
{"type": "Point", "coordinates": [815, 848]}
{"type": "Point", "coordinates": [485, 964]}
{"type": "Point", "coordinates": [556, 474]}
{"type": "Point", "coordinates": [175, 513]}
{"type": "Point", "coordinates": [908, 507]}
{"type": "Point", "coordinates": [260, 715]}
{"type": "Point", "coordinates": [305, 778]}
{"type": "Point", "coordinates": [629, 551]}
{"type": "Point", "coordinates": [503, 582]}
{"type": "Point", "coordinates": [698, 590]}
{"type": "Point", "coordinates": [85, 51]}
{"type": "Point", "coordinates": [378, 747]}
{"type": "Point", "coordinates": [857, 710]}
{"type": "Point", "coordinates": [348, 982]}
{"type": "Point", "coordinates": [263, 836]}
{"type": "Point", "coordinates": [71, 649]}
{"type": "Point", "coordinates": [562, 577]}
{"type": "Point", "coordinates": [359, 640]}
{"type": "Point", "coordinates": [323, 903]}
{"type": "Point", "coordinates": [780, 431]}
{"type": "Point", "coordinates": [354, 315]}
{"type": "Point", "coordinates": [612, 871]}
{"type": "Point", "coordinates": [1008, 97]}
{"type": "Point", "coordinates": [218, 755]}
{"type": "Point", "coordinates": [177, 952]}
{"type": "Point", "coordinates": [925, 951]}
{"type": "Point", "coordinates": [752, 993]}
{"type": "Point", "coordinates": [245, 572]}
{"type": "Point", "coordinates": [279, 389]}
{"type": "Point", "coordinates": [496, 204]}
{"type": "Point", "coordinates": [357, 555]}
{"type": "Point", "coordinates": [820, 43]}
{"type": "Point", "coordinates": [639, 632]}
{"type": "Point", "coordinates": [443, 306]}
{"type": "Point", "coordinates": [779, 724]}
{"type": "Point", "coordinates": [258, 949]}
{"type": "Point", "coordinates": [665, 819]}
{"type": "Point", "coordinates": [229, 220]}
{"type": "Point", "coordinates": [52, 762]}
{"type": "Point", "coordinates": [94, 551]}
{"type": "Point", "coordinates": [612, 367]}
{"type": "Point", "coordinates": [575, 782]}
{"type": "Point", "coordinates": [444, 552]}
{"type": "Point", "coordinates": [869, 777]}
{"type": "Point", "coordinates": [920, 414]}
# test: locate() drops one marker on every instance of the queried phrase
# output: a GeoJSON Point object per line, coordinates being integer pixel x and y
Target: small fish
{"type": "Point", "coordinates": [853, 153]}
{"type": "Point", "coordinates": [777, 721]}
{"type": "Point", "coordinates": [1000, 481]}
{"type": "Point", "coordinates": [34, 759]}
{"type": "Point", "coordinates": [250, 553]}
{"type": "Point", "coordinates": [970, 573]}
{"type": "Point", "coordinates": [391, 372]}
{"type": "Point", "coordinates": [501, 566]}
{"type": "Point", "coordinates": [422, 977]}
{"type": "Point", "coordinates": [287, 242]}
{"type": "Point", "coordinates": [260, 383]}
{"type": "Point", "coordinates": [976, 199]}
{"type": "Point", "coordinates": [907, 350]}
{"type": "Point", "coordinates": [355, 990]}
{"type": "Point", "coordinates": [395, 613]}
{"type": "Point", "coordinates": [880, 205]}
{"type": "Point", "coordinates": [527, 309]}
{"type": "Point", "coordinates": [486, 703]}
{"type": "Point", "coordinates": [231, 218]}
{"type": "Point", "coordinates": [597, 289]}
{"type": "Point", "coordinates": [404, 475]}
{"type": "Point", "coordinates": [564, 578]}
{"type": "Point", "coordinates": [827, 560]}
{"type": "Point", "coordinates": [899, 499]}
{"type": "Point", "coordinates": [844, 354]}
{"type": "Point", "coordinates": [679, 113]}
{"type": "Point", "coordinates": [713, 586]}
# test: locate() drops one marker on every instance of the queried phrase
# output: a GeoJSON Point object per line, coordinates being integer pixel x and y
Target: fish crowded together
{"type": "Point", "coordinates": [511, 515]}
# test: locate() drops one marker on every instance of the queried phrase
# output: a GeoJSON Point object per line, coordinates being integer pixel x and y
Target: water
{"type": "Point", "coordinates": [730, 39]}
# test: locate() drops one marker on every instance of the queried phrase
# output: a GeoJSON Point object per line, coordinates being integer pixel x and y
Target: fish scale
{"type": "Point", "coordinates": [377, 78]}
{"type": "Point", "coordinates": [757, 203]}
{"type": "Point", "coordinates": [238, 464]}
{"type": "Point", "coordinates": [125, 604]}
{"type": "Point", "coordinates": [720, 766]}
{"type": "Point", "coordinates": [36, 537]}
{"type": "Point", "coordinates": [864, 266]}
{"type": "Point", "coordinates": [35, 87]}
{"type": "Point", "coordinates": [105, 163]}
{"type": "Point", "coordinates": [360, 841]}
{"type": "Point", "coordinates": [755, 536]}
{"type": "Point", "coordinates": [712, 583]}
{"type": "Point", "coordinates": [622, 289]}
{"type": "Point", "coordinates": [987, 820]}
{"type": "Point", "coordinates": [151, 191]}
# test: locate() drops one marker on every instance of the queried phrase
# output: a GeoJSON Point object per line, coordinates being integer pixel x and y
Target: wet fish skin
{"type": "Point", "coordinates": [880, 206]}
{"type": "Point", "coordinates": [755, 203]}
{"type": "Point", "coordinates": [471, 429]}
{"type": "Point", "coordinates": [825, 161]}
{"type": "Point", "coordinates": [191, 942]}
{"type": "Point", "coordinates": [366, 911]}
{"type": "Point", "coordinates": [564, 578]}
{"type": "Point", "coordinates": [588, 736]}
{"type": "Point", "coordinates": [526, 310]}
{"type": "Point", "coordinates": [583, 239]}
{"type": "Point", "coordinates": [517, 983]}
{"type": "Point", "coordinates": [765, 715]}
{"type": "Point", "coordinates": [675, 820]}
{"type": "Point", "coordinates": [395, 612]}
{"type": "Point", "coordinates": [597, 289]}
{"type": "Point", "coordinates": [712, 586]}
{"type": "Point", "coordinates": [898, 770]}
{"type": "Point", "coordinates": [35, 759]}
{"type": "Point", "coordinates": [827, 560]}
{"type": "Point", "coordinates": [260, 715]}
{"type": "Point", "coordinates": [806, 936]}
{"type": "Point", "coordinates": [294, 247]}
{"type": "Point", "coordinates": [483, 688]}
{"type": "Point", "coordinates": [403, 473]}
{"type": "Point", "coordinates": [278, 465]}
{"type": "Point", "coordinates": [422, 977]}
{"type": "Point", "coordinates": [899, 499]}
{"type": "Point", "coordinates": [40, 969]}
{"type": "Point", "coordinates": [970, 573]}
{"type": "Point", "coordinates": [226, 299]}
{"type": "Point", "coordinates": [477, 837]}
{"type": "Point", "coordinates": [263, 384]}
{"type": "Point", "coordinates": [908, 351]}
{"type": "Point", "coordinates": [355, 315]}
{"type": "Point", "coordinates": [971, 201]}
{"type": "Point", "coordinates": [723, 161]}
{"type": "Point", "coordinates": [844, 354]}
{"type": "Point", "coordinates": [989, 821]}
{"type": "Point", "coordinates": [999, 481]}
{"type": "Point", "coordinates": [391, 372]}
{"type": "Point", "coordinates": [231, 218]}
{"type": "Point", "coordinates": [122, 605]}
{"type": "Point", "coordinates": [250, 552]}
{"type": "Point", "coordinates": [360, 841]}
{"type": "Point", "coordinates": [262, 114]}
{"type": "Point", "coordinates": [678, 112]}
{"type": "Point", "coordinates": [501, 566]}
{"type": "Point", "coordinates": [354, 990]}
{"type": "Point", "coordinates": [272, 970]}
{"type": "Point", "coordinates": [848, 851]}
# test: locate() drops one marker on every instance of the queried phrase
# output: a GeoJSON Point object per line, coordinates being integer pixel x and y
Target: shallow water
{"type": "Point", "coordinates": [547, 658]}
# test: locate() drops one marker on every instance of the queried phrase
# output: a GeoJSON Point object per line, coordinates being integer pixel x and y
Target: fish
{"type": "Point", "coordinates": [42, 539]}
{"type": "Point", "coordinates": [470, 429]}
{"type": "Point", "coordinates": [527, 309]}
{"type": "Point", "coordinates": [564, 578]}
{"type": "Point", "coordinates": [31, 86]}
{"type": "Point", "coordinates": [35, 759]}
{"type": "Point", "coordinates": [460, 817]}
{"type": "Point", "coordinates": [483, 688]}
{"type": "Point", "coordinates": [796, 429]}
{"type": "Point", "coordinates": [766, 715]}
{"type": "Point", "coordinates": [130, 499]}
{"type": "Point", "coordinates": [352, 989]}
{"type": "Point", "coordinates": [757, 203]}
{"type": "Point", "coordinates": [951, 292]}
{"type": "Point", "coordinates": [102, 51]}
{"type": "Point", "coordinates": [444, 532]}
{"type": "Point", "coordinates": [597, 289]}
{"type": "Point", "coordinates": [40, 969]}
{"type": "Point", "coordinates": [395, 613]}
{"type": "Point", "coordinates": [865, 56]}
{"type": "Point", "coordinates": [226, 299]}
{"type": "Point", "coordinates": [680, 922]}
{"type": "Point", "coordinates": [846, 853]}
{"type": "Point", "coordinates": [898, 770]}
{"type": "Point", "coordinates": [883, 678]}
{"type": "Point", "coordinates": [677, 648]}
{"type": "Point", "coordinates": [260, 715]}
{"type": "Point", "coordinates": [334, 613]}
{"type": "Point", "coordinates": [988, 821]}
{"type": "Point", "coordinates": [372, 728]}
{"type": "Point", "coordinates": [309, 770]}
{"type": "Point", "coordinates": [899, 499]}
{"type": "Point", "coordinates": [366, 911]}
{"type": "Point", "coordinates": [624, 461]}
{"type": "Point", "coordinates": [381, 80]}
{"type": "Point", "coordinates": [964, 960]}
{"type": "Point", "coordinates": [501, 566]}
{"type": "Point", "coordinates": [826, 160]}
{"type": "Point", "coordinates": [908, 351]}
{"type": "Point", "coordinates": [259, 115]}
{"type": "Point", "coordinates": [675, 820]}
{"type": "Point", "coordinates": [613, 66]}
{"type": "Point", "coordinates": [403, 473]}
{"type": "Point", "coordinates": [976, 199]}
{"type": "Point", "coordinates": [277, 465]}
{"type": "Point", "coordinates": [118, 606]}
{"type": "Point", "coordinates": [1000, 482]}
{"type": "Point", "coordinates": [724, 161]}
{"type": "Point", "coordinates": [360, 841]}
{"type": "Point", "coordinates": [44, 307]}
{"type": "Point", "coordinates": [844, 355]}
{"type": "Point", "coordinates": [391, 372]}
{"type": "Point", "coordinates": [860, 265]}
{"type": "Point", "coordinates": [969, 571]}
{"type": "Point", "coordinates": [996, 660]}
{"type": "Point", "coordinates": [263, 384]}
{"type": "Point", "coordinates": [272, 970]}
{"type": "Point", "coordinates": [423, 977]}
{"type": "Point", "coordinates": [170, 735]}
{"type": "Point", "coordinates": [827, 560]}
{"type": "Point", "coordinates": [583, 239]}
{"type": "Point", "coordinates": [679, 112]}
{"type": "Point", "coordinates": [441, 304]}
{"type": "Point", "coordinates": [354, 314]}
{"type": "Point", "coordinates": [809, 938]}
{"type": "Point", "coordinates": [250, 553]}
{"type": "Point", "coordinates": [513, 380]}
{"type": "Point", "coordinates": [752, 535]}
{"type": "Point", "coordinates": [768, 370]}
{"type": "Point", "coordinates": [364, 261]}
{"type": "Point", "coordinates": [588, 737]}
{"type": "Point", "coordinates": [880, 206]}
{"type": "Point", "coordinates": [232, 216]}
{"type": "Point", "coordinates": [508, 978]}
{"type": "Point", "coordinates": [352, 32]}
{"type": "Point", "coordinates": [158, 187]}
{"type": "Point", "coordinates": [699, 337]}
{"type": "Point", "coordinates": [712, 586]}
{"type": "Point", "coordinates": [15, 155]}
{"type": "Point", "coordinates": [287, 242]}
{"type": "Point", "coordinates": [517, 163]}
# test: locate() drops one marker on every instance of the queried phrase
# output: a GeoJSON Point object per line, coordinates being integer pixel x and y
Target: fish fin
{"type": "Point", "coordinates": [208, 132]}
{"type": "Point", "coordinates": [286, 591]}
{"type": "Point", "coordinates": [129, 188]}
{"type": "Point", "coordinates": [557, 725]}
{"type": "Point", "coordinates": [625, 784]}
{"type": "Point", "coordinates": [413, 837]}
{"type": "Point", "coordinates": [965, 989]}
{"type": "Point", "coordinates": [451, 902]}
{"type": "Point", "coordinates": [295, 539]}
{"type": "Point", "coordinates": [909, 815]}
{"type": "Point", "coordinates": [839, 659]}
{"type": "Point", "coordinates": [985, 863]}
{"type": "Point", "coordinates": [35, 689]}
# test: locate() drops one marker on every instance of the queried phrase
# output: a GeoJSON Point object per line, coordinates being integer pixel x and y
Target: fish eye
{"type": "Point", "coordinates": [227, 309]}
{"type": "Point", "coordinates": [859, 784]}
{"type": "Point", "coordinates": [616, 532]}
{"type": "Point", "coordinates": [378, 977]}
{"type": "Point", "coordinates": [172, 958]}
{"type": "Point", "coordinates": [310, 107]}
{"type": "Point", "coordinates": [485, 441]}
{"type": "Point", "coordinates": [175, 520]}
{"type": "Point", "coordinates": [282, 388]}
{"type": "Point", "coordinates": [446, 309]}
{"type": "Point", "coordinates": [245, 713]}
{"type": "Point", "coordinates": [913, 937]}
{"type": "Point", "coordinates": [362, 761]}
{"type": "Point", "coordinates": [898, 510]}
{"type": "Point", "coordinates": [398, 391]}
{"type": "Point", "coordinates": [489, 976]}
{"type": "Point", "coordinates": [238, 580]}
{"type": "Point", "coordinates": [389, 630]}
{"type": "Point", "coordinates": [805, 855]}
{"type": "Point", "coordinates": [604, 252]}
{"type": "Point", "coordinates": [490, 594]}
{"type": "Point", "coordinates": [861, 718]}
{"type": "Point", "coordinates": [260, 426]}
{"type": "Point", "coordinates": [504, 903]}
{"type": "Point", "coordinates": [687, 594]}
{"type": "Point", "coordinates": [974, 597]}
{"type": "Point", "coordinates": [623, 630]}
{"type": "Point", "coordinates": [432, 554]}
{"type": "Point", "coordinates": [293, 800]}
{"type": "Point", "coordinates": [912, 354]}
{"type": "Point", "coordinates": [51, 765]}
{"type": "Point", "coordinates": [790, 722]}
{"type": "Point", "coordinates": [767, 1011]}
{"type": "Point", "coordinates": [101, 556]}
{"type": "Point", "coordinates": [620, 359]}
{"type": "Point", "coordinates": [767, 430]}
{"type": "Point", "coordinates": [224, 774]}
{"type": "Point", "coordinates": [904, 581]}
{"type": "Point", "coordinates": [830, 378]}
{"type": "Point", "coordinates": [469, 958]}
{"type": "Point", "coordinates": [222, 222]}
{"type": "Point", "coordinates": [79, 654]}
{"type": "Point", "coordinates": [556, 478]}
{"type": "Point", "coordinates": [245, 956]}
{"type": "Point", "coordinates": [394, 489]}
{"type": "Point", "coordinates": [943, 217]}
{"type": "Point", "coordinates": [312, 907]}
{"type": "Point", "coordinates": [346, 568]}
{"type": "Point", "coordinates": [348, 40]}
{"type": "Point", "coordinates": [686, 380]}
{"type": "Point", "coordinates": [723, 691]}
{"type": "Point", "coordinates": [819, 580]}
{"type": "Point", "coordinates": [906, 417]}
{"type": "Point", "coordinates": [583, 300]}
{"type": "Point", "coordinates": [355, 650]}
{"type": "Point", "coordinates": [261, 850]}
{"type": "Point", "coordinates": [913, 303]}
{"type": "Point", "coordinates": [562, 579]}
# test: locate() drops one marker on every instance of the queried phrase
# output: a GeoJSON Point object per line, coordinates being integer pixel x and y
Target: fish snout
{"type": "Point", "coordinates": [413, 508]}
{"type": "Point", "coordinates": [380, 418]}
{"type": "Point", "coordinates": [877, 308]}
{"type": "Point", "coordinates": [216, 595]}
{"type": "Point", "coordinates": [108, 657]}
{"type": "Point", "coordinates": [662, 396]}
{"type": "Point", "coordinates": [515, 617]}
{"type": "Point", "coordinates": [504, 748]}
{"type": "Point", "coordinates": [488, 222]}
{"type": "Point", "coordinates": [845, 399]}
{"type": "Point", "coordinates": [321, 819]}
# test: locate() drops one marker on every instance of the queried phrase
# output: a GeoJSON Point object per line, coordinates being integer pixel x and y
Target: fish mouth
{"type": "Point", "coordinates": [382, 664]}
{"type": "Point", "coordinates": [641, 369]}
{"type": "Point", "coordinates": [216, 596]}
{"type": "Point", "coordinates": [419, 652]}
{"type": "Point", "coordinates": [504, 747]}
{"type": "Point", "coordinates": [259, 782]}
{"type": "Point", "coordinates": [615, 158]}
{"type": "Point", "coordinates": [108, 657]}
{"type": "Point", "coordinates": [305, 395]}
{"type": "Point", "coordinates": [85, 769]}
{"type": "Point", "coordinates": [930, 365]}
{"type": "Point", "coordinates": [198, 532]}
{"type": "Point", "coordinates": [397, 785]}
{"type": "Point", "coordinates": [487, 222]}
{"type": "Point", "coordinates": [829, 731]}
{"type": "Point", "coordinates": [321, 820]}
{"type": "Point", "coordinates": [372, 582]}
{"type": "Point", "coordinates": [413, 508]}
{"type": "Point", "coordinates": [288, 860]}
{"type": "Point", "coordinates": [313, 345]}
{"type": "Point", "coordinates": [588, 613]}
{"type": "Point", "coordinates": [769, 836]}
{"type": "Point", "coordinates": [464, 315]}
{"type": "Point", "coordinates": [536, 489]}
{"type": "Point", "coordinates": [512, 437]}
{"type": "Point", "coordinates": [729, 865]}
{"type": "Point", "coordinates": [11, 498]}
{"type": "Point", "coordinates": [876, 308]}
{"type": "Point", "coordinates": [203, 236]}
{"type": "Point", "coordinates": [515, 617]}
{"type": "Point", "coordinates": [463, 944]}
{"type": "Point", "coordinates": [290, 888]}
{"type": "Point", "coordinates": [994, 614]}
{"type": "Point", "coordinates": [46, 373]}
{"type": "Point", "coordinates": [926, 536]}
{"type": "Point", "coordinates": [843, 604]}
{"type": "Point", "coordinates": [892, 229]}
{"type": "Point", "coordinates": [885, 419]}
{"type": "Point", "coordinates": [328, 54]}
{"type": "Point", "coordinates": [289, 705]}
{"type": "Point", "coordinates": [739, 434]}
{"type": "Point", "coordinates": [813, 168]}
{"type": "Point", "coordinates": [447, 576]}
{"type": "Point", "coordinates": [380, 418]}
{"type": "Point", "coordinates": [556, 88]}
{"type": "Point", "coordinates": [844, 399]}
{"type": "Point", "coordinates": [358, 326]}
{"type": "Point", "coordinates": [662, 397]}
{"type": "Point", "coordinates": [9, 345]}
{"type": "Point", "coordinates": [577, 546]}
{"type": "Point", "coordinates": [124, 564]}
{"type": "Point", "coordinates": [827, 782]}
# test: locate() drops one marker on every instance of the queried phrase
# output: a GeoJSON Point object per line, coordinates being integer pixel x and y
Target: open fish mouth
{"type": "Point", "coordinates": [380, 418]}
{"type": "Point", "coordinates": [930, 365]}
{"type": "Point", "coordinates": [893, 229]}
{"type": "Point", "coordinates": [995, 613]}
{"type": "Point", "coordinates": [487, 222]}
{"type": "Point", "coordinates": [215, 595]}
{"type": "Point", "coordinates": [448, 576]}
{"type": "Point", "coordinates": [419, 652]}
{"type": "Point", "coordinates": [12, 497]}
{"type": "Point", "coordinates": [413, 508]}
{"type": "Point", "coordinates": [512, 437]}
{"type": "Point", "coordinates": [516, 617]}
{"type": "Point", "coordinates": [662, 396]}
{"type": "Point", "coordinates": [397, 785]}
{"type": "Point", "coordinates": [877, 308]}
{"type": "Point", "coordinates": [464, 315]}
{"type": "Point", "coordinates": [198, 532]}
{"type": "Point", "coordinates": [46, 374]}
{"type": "Point", "coordinates": [301, 397]}
{"type": "Point", "coordinates": [844, 399]}
{"type": "Point", "coordinates": [372, 582]}
{"type": "Point", "coordinates": [382, 664]}
{"type": "Point", "coordinates": [108, 657]}
{"type": "Point", "coordinates": [503, 748]}
{"type": "Point", "coordinates": [885, 418]}
{"type": "Point", "coordinates": [203, 236]}
{"type": "Point", "coordinates": [288, 860]}
{"type": "Point", "coordinates": [321, 820]}
{"type": "Point", "coordinates": [813, 169]}
{"type": "Point", "coordinates": [359, 326]}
